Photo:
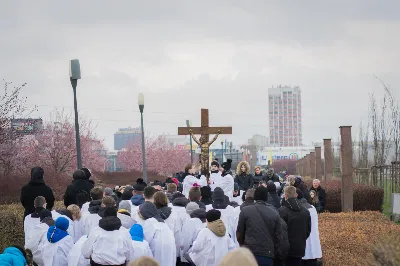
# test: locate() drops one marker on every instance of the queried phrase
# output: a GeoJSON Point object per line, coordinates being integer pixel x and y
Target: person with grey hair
{"type": "Point", "coordinates": [320, 193]}
{"type": "Point", "coordinates": [124, 214]}
{"type": "Point", "coordinates": [109, 192]}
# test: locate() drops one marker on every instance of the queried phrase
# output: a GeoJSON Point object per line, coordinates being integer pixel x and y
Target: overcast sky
{"type": "Point", "coordinates": [187, 55]}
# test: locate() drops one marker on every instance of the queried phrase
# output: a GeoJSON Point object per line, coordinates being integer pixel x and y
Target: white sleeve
{"type": "Point", "coordinates": [128, 242]}
{"type": "Point", "coordinates": [87, 247]}
{"type": "Point", "coordinates": [199, 243]}
{"type": "Point", "coordinates": [231, 244]}
{"type": "Point", "coordinates": [186, 239]}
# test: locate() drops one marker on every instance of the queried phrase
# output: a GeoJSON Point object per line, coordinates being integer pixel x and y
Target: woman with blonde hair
{"type": "Point", "coordinates": [239, 257]}
{"type": "Point", "coordinates": [243, 176]}
{"type": "Point", "coordinates": [76, 221]}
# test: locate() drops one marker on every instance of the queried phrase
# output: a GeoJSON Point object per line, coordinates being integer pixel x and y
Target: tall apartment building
{"type": "Point", "coordinates": [125, 136]}
{"type": "Point", "coordinates": [285, 126]}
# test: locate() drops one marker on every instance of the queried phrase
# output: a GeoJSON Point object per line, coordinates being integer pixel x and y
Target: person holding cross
{"type": "Point", "coordinates": [204, 145]}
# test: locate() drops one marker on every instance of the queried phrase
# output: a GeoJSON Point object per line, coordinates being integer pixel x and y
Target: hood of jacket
{"type": "Point", "coordinates": [292, 204]}
{"type": "Point", "coordinates": [148, 210]}
{"type": "Point", "coordinates": [137, 200]}
{"type": "Point", "coordinates": [218, 197]}
{"type": "Point", "coordinates": [36, 214]}
{"type": "Point", "coordinates": [239, 166]}
{"type": "Point", "coordinates": [165, 212]}
{"type": "Point", "coordinates": [136, 232]}
{"type": "Point", "coordinates": [55, 234]}
{"type": "Point", "coordinates": [181, 202]}
{"type": "Point", "coordinates": [94, 206]}
{"type": "Point", "coordinates": [12, 256]}
{"type": "Point", "coordinates": [48, 220]}
{"type": "Point", "coordinates": [37, 174]}
{"type": "Point", "coordinates": [217, 227]}
{"type": "Point", "coordinates": [226, 172]}
{"type": "Point", "coordinates": [110, 223]}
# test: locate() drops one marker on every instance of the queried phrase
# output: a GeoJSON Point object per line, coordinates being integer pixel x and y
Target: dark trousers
{"type": "Point", "coordinates": [264, 261]}
{"type": "Point", "coordinates": [290, 261]}
{"type": "Point", "coordinates": [92, 263]}
{"type": "Point", "coordinates": [310, 262]}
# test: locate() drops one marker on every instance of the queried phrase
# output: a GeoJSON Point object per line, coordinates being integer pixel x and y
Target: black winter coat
{"type": "Point", "coordinates": [284, 248]}
{"type": "Point", "coordinates": [259, 229]}
{"type": "Point", "coordinates": [245, 181]}
{"type": "Point", "coordinates": [78, 186]}
{"type": "Point", "coordinates": [274, 200]}
{"type": "Point", "coordinates": [298, 220]}
{"type": "Point", "coordinates": [321, 197]}
{"type": "Point", "coordinates": [273, 178]}
{"type": "Point", "coordinates": [257, 178]}
{"type": "Point", "coordinates": [300, 185]}
{"type": "Point", "coordinates": [36, 187]}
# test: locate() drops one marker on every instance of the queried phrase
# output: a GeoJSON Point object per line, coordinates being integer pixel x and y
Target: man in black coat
{"type": "Point", "coordinates": [36, 187]}
{"type": "Point", "coordinates": [259, 228]}
{"type": "Point", "coordinates": [298, 220]}
{"type": "Point", "coordinates": [320, 192]}
{"type": "Point", "coordinates": [273, 197]}
{"type": "Point", "coordinates": [79, 190]}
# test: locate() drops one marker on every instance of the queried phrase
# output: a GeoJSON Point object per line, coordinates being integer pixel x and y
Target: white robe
{"type": "Point", "coordinates": [175, 222]}
{"type": "Point", "coordinates": [190, 180]}
{"type": "Point", "coordinates": [141, 249]}
{"type": "Point", "coordinates": [108, 247]}
{"type": "Point", "coordinates": [313, 244]}
{"type": "Point", "coordinates": [85, 207]}
{"type": "Point", "coordinates": [161, 241]}
{"type": "Point", "coordinates": [36, 240]}
{"type": "Point", "coordinates": [91, 221]}
{"type": "Point", "coordinates": [29, 224]}
{"type": "Point", "coordinates": [238, 199]}
{"type": "Point", "coordinates": [190, 231]}
{"type": "Point", "coordinates": [227, 184]}
{"type": "Point", "coordinates": [75, 257]}
{"type": "Point", "coordinates": [126, 220]}
{"type": "Point", "coordinates": [214, 179]}
{"type": "Point", "coordinates": [228, 216]}
{"type": "Point", "coordinates": [209, 249]}
{"type": "Point", "coordinates": [71, 229]}
{"type": "Point", "coordinates": [78, 229]}
{"type": "Point", "coordinates": [56, 254]}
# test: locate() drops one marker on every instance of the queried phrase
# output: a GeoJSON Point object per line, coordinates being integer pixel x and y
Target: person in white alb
{"type": "Point", "coordinates": [212, 243]}
{"type": "Point", "coordinates": [215, 175]}
{"type": "Point", "coordinates": [33, 219]}
{"type": "Point", "coordinates": [56, 250]}
{"type": "Point", "coordinates": [124, 214]}
{"type": "Point", "coordinates": [93, 219]}
{"type": "Point", "coordinates": [39, 234]}
{"type": "Point", "coordinates": [192, 228]}
{"type": "Point", "coordinates": [226, 180]}
{"type": "Point", "coordinates": [76, 221]}
{"type": "Point", "coordinates": [140, 246]}
{"type": "Point", "coordinates": [109, 243]}
{"type": "Point", "coordinates": [190, 179]}
{"type": "Point", "coordinates": [157, 233]}
{"type": "Point", "coordinates": [75, 257]}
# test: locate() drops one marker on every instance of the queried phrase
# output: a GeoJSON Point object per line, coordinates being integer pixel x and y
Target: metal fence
{"type": "Point", "coordinates": [386, 177]}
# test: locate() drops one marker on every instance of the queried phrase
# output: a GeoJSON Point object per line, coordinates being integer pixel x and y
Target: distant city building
{"type": "Point", "coordinates": [285, 125]}
{"type": "Point", "coordinates": [258, 141]}
{"type": "Point", "coordinates": [124, 136]}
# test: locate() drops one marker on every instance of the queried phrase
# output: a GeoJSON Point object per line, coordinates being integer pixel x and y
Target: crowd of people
{"type": "Point", "coordinates": [215, 218]}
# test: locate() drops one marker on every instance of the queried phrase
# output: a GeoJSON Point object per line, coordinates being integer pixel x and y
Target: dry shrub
{"type": "Point", "coordinates": [349, 238]}
{"type": "Point", "coordinates": [366, 198]}
{"type": "Point", "coordinates": [386, 252]}
{"type": "Point", "coordinates": [125, 178]}
{"type": "Point", "coordinates": [12, 224]}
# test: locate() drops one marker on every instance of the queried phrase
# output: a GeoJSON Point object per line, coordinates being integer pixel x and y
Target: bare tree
{"type": "Point", "coordinates": [363, 146]}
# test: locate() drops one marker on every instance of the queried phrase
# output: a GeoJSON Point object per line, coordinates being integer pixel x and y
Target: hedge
{"type": "Point", "coordinates": [365, 198]}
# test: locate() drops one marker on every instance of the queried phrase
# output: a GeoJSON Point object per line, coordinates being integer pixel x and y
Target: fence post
{"type": "Point", "coordinates": [346, 152]}
{"type": "Point", "coordinates": [328, 157]}
{"type": "Point", "coordinates": [318, 163]}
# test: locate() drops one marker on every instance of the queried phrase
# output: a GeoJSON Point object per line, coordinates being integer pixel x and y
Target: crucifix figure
{"type": "Point", "coordinates": [204, 142]}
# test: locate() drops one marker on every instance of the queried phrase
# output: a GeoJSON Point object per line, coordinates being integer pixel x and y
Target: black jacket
{"type": "Point", "coordinates": [321, 197]}
{"type": "Point", "coordinates": [274, 200]}
{"type": "Point", "coordinates": [300, 185]}
{"type": "Point", "coordinates": [284, 248]}
{"type": "Point", "coordinates": [36, 187]}
{"type": "Point", "coordinates": [274, 178]}
{"type": "Point", "coordinates": [298, 222]}
{"type": "Point", "coordinates": [247, 202]}
{"type": "Point", "coordinates": [257, 178]}
{"type": "Point", "coordinates": [78, 187]}
{"type": "Point", "coordinates": [259, 229]}
{"type": "Point", "coordinates": [245, 181]}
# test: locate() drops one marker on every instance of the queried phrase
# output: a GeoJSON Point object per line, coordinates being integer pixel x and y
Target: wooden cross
{"type": "Point", "coordinates": [205, 131]}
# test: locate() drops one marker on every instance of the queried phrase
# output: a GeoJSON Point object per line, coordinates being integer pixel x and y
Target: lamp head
{"type": "Point", "coordinates": [188, 124]}
{"type": "Point", "coordinates": [74, 69]}
{"type": "Point", "coordinates": [141, 99]}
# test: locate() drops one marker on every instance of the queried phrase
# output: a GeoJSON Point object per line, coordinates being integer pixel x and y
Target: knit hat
{"type": "Point", "coordinates": [300, 194]}
{"type": "Point", "coordinates": [271, 186]}
{"type": "Point", "coordinates": [261, 193]}
{"type": "Point", "coordinates": [127, 194]}
{"type": "Point", "coordinates": [136, 232]}
{"type": "Point", "coordinates": [108, 191]}
{"type": "Point", "coordinates": [235, 186]}
{"type": "Point", "coordinates": [227, 165]}
{"type": "Point", "coordinates": [213, 215]}
{"type": "Point", "coordinates": [139, 187]}
{"type": "Point", "coordinates": [215, 163]}
{"type": "Point", "coordinates": [45, 213]}
{"type": "Point", "coordinates": [176, 181]}
{"type": "Point", "coordinates": [205, 192]}
{"type": "Point", "coordinates": [125, 205]}
{"type": "Point", "coordinates": [110, 211]}
{"type": "Point", "coordinates": [87, 172]}
{"type": "Point", "coordinates": [191, 207]}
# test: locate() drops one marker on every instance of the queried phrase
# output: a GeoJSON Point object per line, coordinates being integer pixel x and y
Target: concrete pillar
{"type": "Point", "coordinates": [318, 163]}
{"type": "Point", "coordinates": [301, 166]}
{"type": "Point", "coordinates": [328, 157]}
{"type": "Point", "coordinates": [312, 164]}
{"type": "Point", "coordinates": [308, 170]}
{"type": "Point", "coordinates": [346, 153]}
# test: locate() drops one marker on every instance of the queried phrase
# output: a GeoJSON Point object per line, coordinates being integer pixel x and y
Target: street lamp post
{"type": "Point", "coordinates": [222, 149]}
{"type": "Point", "coordinates": [191, 150]}
{"type": "Point", "coordinates": [74, 75]}
{"type": "Point", "coordinates": [141, 107]}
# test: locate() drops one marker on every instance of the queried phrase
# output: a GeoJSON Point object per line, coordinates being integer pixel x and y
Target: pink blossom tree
{"type": "Point", "coordinates": [162, 157]}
